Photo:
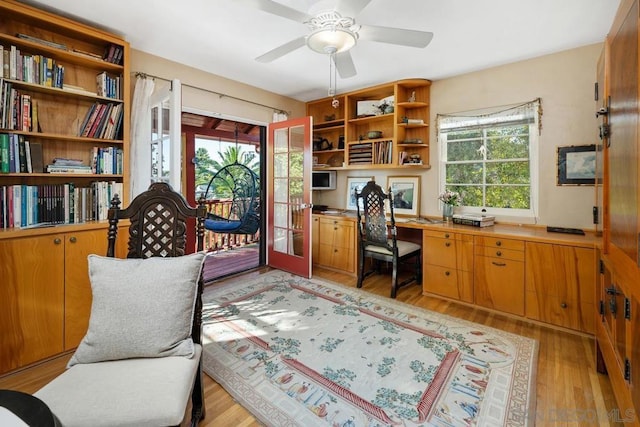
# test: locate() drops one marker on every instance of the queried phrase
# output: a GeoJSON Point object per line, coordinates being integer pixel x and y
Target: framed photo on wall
{"type": "Point", "coordinates": [577, 165]}
{"type": "Point", "coordinates": [406, 194]}
{"type": "Point", "coordinates": [355, 183]}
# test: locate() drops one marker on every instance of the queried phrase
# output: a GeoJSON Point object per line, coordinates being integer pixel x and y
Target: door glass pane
{"type": "Point", "coordinates": [280, 141]}
{"type": "Point", "coordinates": [280, 164]}
{"type": "Point", "coordinates": [280, 239]}
{"type": "Point", "coordinates": [166, 142]}
{"type": "Point", "coordinates": [280, 215]}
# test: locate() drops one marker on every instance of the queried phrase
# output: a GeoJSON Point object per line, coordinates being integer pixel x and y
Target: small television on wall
{"type": "Point", "coordinates": [323, 180]}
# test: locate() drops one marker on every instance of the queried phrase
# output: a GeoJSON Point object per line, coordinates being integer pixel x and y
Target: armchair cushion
{"type": "Point", "coordinates": [141, 308]}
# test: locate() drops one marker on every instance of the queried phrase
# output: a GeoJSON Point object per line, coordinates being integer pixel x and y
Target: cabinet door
{"type": "Point", "coordinates": [337, 244]}
{"type": "Point", "coordinates": [77, 297]}
{"type": "Point", "coordinates": [499, 284]}
{"type": "Point", "coordinates": [31, 299]}
{"type": "Point", "coordinates": [560, 284]}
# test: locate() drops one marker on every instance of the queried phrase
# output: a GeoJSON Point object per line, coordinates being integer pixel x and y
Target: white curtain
{"type": "Point", "coordinates": [140, 135]}
{"type": "Point", "coordinates": [280, 116]}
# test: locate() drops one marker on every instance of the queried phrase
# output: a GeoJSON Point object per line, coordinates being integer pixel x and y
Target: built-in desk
{"type": "Point", "coordinates": [519, 270]}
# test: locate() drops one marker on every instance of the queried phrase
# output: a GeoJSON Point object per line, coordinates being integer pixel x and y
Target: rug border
{"type": "Point", "coordinates": [529, 417]}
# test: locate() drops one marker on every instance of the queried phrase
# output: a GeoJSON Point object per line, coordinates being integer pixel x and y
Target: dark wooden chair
{"type": "Point", "coordinates": [158, 227]}
{"type": "Point", "coordinates": [377, 239]}
{"type": "Point", "coordinates": [159, 220]}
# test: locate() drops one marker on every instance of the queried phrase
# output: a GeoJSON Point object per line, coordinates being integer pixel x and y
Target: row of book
{"type": "Point", "coordinates": [102, 121]}
{"type": "Point", "coordinates": [17, 109]}
{"type": "Point", "coordinates": [36, 69]}
{"type": "Point", "coordinates": [18, 155]}
{"type": "Point", "coordinates": [108, 86]}
{"type": "Point", "coordinates": [27, 206]}
{"type": "Point", "coordinates": [114, 53]}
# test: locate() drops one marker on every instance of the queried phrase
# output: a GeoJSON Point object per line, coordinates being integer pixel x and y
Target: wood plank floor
{"type": "Point", "coordinates": [569, 390]}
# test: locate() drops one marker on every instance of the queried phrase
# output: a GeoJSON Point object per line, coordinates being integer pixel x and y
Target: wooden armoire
{"type": "Point", "coordinates": [618, 290]}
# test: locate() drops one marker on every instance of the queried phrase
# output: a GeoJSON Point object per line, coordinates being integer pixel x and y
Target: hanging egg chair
{"type": "Point", "coordinates": [240, 184]}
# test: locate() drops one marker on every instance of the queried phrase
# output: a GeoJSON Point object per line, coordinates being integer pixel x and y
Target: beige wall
{"type": "Point", "coordinates": [202, 100]}
{"type": "Point", "coordinates": [565, 83]}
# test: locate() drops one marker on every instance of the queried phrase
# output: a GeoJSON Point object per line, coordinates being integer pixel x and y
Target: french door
{"type": "Point", "coordinates": [289, 196]}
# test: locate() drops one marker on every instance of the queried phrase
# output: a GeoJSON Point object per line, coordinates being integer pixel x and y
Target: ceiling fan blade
{"type": "Point", "coordinates": [282, 50]}
{"type": "Point", "coordinates": [400, 36]}
{"type": "Point", "coordinates": [344, 64]}
{"type": "Point", "coordinates": [351, 7]}
{"type": "Point", "coordinates": [278, 9]}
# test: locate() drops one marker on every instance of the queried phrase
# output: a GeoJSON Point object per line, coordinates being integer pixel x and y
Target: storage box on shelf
{"type": "Point", "coordinates": [65, 102]}
{"type": "Point", "coordinates": [375, 138]}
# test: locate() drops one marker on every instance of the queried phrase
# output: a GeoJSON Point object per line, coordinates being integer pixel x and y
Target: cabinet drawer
{"type": "Point", "coordinates": [499, 253]}
{"type": "Point", "coordinates": [561, 312]}
{"type": "Point", "coordinates": [499, 284]}
{"type": "Point", "coordinates": [336, 257]}
{"type": "Point", "coordinates": [337, 233]}
{"type": "Point", "coordinates": [448, 235]}
{"type": "Point", "coordinates": [439, 251]}
{"type": "Point", "coordinates": [448, 282]}
{"type": "Point", "coordinates": [493, 242]}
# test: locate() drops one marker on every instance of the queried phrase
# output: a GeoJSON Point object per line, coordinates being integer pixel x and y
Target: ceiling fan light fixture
{"type": "Point", "coordinates": [331, 40]}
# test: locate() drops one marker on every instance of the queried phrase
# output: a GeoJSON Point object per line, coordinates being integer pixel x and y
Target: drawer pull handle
{"type": "Point", "coordinates": [498, 243]}
{"type": "Point", "coordinates": [498, 264]}
{"type": "Point", "coordinates": [447, 244]}
{"type": "Point", "coordinates": [447, 273]}
{"type": "Point", "coordinates": [73, 239]}
{"type": "Point", "coordinates": [498, 253]}
{"type": "Point", "coordinates": [57, 241]}
{"type": "Point", "coordinates": [446, 236]}
{"type": "Point", "coordinates": [563, 305]}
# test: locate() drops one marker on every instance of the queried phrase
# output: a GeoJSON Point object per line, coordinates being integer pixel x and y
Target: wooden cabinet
{"type": "Point", "coordinates": [46, 294]}
{"type": "Point", "coordinates": [31, 299]}
{"type": "Point", "coordinates": [55, 77]}
{"type": "Point", "coordinates": [448, 264]}
{"type": "Point", "coordinates": [404, 139]}
{"type": "Point", "coordinates": [315, 233]}
{"type": "Point", "coordinates": [618, 325]}
{"type": "Point", "coordinates": [560, 285]}
{"type": "Point", "coordinates": [499, 274]}
{"type": "Point", "coordinates": [336, 243]}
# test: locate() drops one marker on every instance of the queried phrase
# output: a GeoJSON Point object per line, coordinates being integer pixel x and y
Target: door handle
{"type": "Point", "coordinates": [305, 205]}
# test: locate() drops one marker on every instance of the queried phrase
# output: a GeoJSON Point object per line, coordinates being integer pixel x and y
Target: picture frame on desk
{"type": "Point", "coordinates": [406, 195]}
{"type": "Point", "coordinates": [355, 183]}
{"type": "Point", "coordinates": [577, 165]}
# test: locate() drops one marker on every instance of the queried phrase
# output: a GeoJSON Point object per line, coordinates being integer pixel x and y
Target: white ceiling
{"type": "Point", "coordinates": [224, 38]}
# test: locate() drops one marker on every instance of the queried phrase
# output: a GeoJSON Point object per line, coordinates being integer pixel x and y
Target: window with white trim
{"type": "Point", "coordinates": [490, 159]}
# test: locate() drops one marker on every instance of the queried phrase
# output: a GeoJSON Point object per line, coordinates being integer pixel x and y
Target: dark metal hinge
{"type": "Point", "coordinates": [601, 267]}
{"type": "Point", "coordinates": [627, 309]}
{"type": "Point", "coordinates": [601, 308]}
{"type": "Point", "coordinates": [627, 370]}
{"type": "Point", "coordinates": [596, 216]}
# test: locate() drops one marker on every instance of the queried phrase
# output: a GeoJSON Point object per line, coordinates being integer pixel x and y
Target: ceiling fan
{"type": "Point", "coordinates": [334, 32]}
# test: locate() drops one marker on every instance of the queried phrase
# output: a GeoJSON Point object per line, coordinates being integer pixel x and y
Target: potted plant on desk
{"type": "Point", "coordinates": [449, 199]}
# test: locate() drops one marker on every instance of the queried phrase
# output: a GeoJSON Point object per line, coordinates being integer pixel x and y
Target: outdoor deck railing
{"type": "Point", "coordinates": [219, 241]}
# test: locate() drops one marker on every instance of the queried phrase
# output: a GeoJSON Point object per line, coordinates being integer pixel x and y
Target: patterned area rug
{"type": "Point", "coordinates": [298, 352]}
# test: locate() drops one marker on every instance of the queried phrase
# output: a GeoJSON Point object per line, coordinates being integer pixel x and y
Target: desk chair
{"type": "Point", "coordinates": [378, 241]}
{"type": "Point", "coordinates": [140, 362]}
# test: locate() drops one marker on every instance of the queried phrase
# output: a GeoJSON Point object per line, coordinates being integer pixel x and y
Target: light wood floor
{"type": "Point", "coordinates": [569, 391]}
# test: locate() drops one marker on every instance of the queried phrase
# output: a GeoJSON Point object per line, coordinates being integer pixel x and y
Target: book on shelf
{"type": "Point", "coordinates": [37, 163]}
{"type": "Point", "coordinates": [64, 161]}
{"type": "Point", "coordinates": [69, 169]}
{"type": "Point", "coordinates": [41, 41]}
{"type": "Point", "coordinates": [4, 153]}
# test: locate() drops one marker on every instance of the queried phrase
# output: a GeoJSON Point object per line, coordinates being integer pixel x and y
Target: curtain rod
{"type": "Point", "coordinates": [221, 95]}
